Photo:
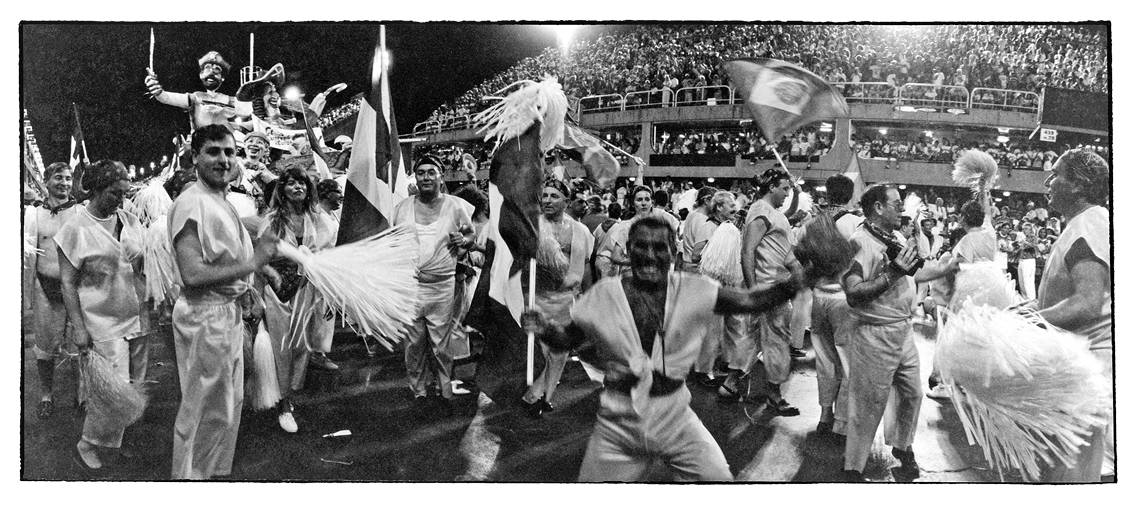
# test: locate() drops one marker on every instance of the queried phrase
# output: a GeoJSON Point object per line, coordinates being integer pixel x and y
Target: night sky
{"type": "Point", "coordinates": [101, 66]}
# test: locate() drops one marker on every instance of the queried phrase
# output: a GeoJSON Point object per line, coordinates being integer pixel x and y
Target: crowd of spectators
{"type": "Point", "coordinates": [668, 58]}
{"type": "Point", "coordinates": [808, 142]}
{"type": "Point", "coordinates": [334, 116]}
{"type": "Point", "coordinates": [944, 150]}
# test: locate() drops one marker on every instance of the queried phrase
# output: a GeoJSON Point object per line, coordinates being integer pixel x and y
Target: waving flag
{"type": "Point", "coordinates": [601, 166]}
{"type": "Point", "coordinates": [375, 159]}
{"type": "Point", "coordinates": [783, 97]}
{"type": "Point", "coordinates": [78, 156]}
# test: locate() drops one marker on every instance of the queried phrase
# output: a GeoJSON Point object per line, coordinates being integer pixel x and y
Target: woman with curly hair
{"type": "Point", "coordinates": [295, 219]}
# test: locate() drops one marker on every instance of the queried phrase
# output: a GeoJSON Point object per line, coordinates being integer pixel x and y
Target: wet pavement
{"type": "Point", "coordinates": [478, 437]}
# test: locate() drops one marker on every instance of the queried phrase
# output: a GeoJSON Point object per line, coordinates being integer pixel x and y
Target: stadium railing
{"type": "Point", "coordinates": [1004, 100]}
{"type": "Point", "coordinates": [921, 95]}
{"type": "Point", "coordinates": [917, 95]}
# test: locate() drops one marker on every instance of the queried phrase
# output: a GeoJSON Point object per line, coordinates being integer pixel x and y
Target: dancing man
{"type": "Point", "coordinates": [214, 261]}
{"type": "Point", "coordinates": [648, 330]}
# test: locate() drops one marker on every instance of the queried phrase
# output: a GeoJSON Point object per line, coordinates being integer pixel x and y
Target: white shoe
{"type": "Point", "coordinates": [939, 393]}
{"type": "Point", "coordinates": [287, 423]}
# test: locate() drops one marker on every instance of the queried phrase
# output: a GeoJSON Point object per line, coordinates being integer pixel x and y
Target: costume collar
{"type": "Point", "coordinates": [56, 210]}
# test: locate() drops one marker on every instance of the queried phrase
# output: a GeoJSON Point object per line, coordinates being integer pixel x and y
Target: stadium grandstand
{"type": "Point", "coordinates": [918, 95]}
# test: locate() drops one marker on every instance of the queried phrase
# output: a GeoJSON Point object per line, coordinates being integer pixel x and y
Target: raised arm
{"type": "Point", "coordinates": [181, 100]}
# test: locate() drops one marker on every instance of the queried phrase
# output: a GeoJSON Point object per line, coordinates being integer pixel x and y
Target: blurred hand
{"type": "Point", "coordinates": [533, 322]}
{"type": "Point", "coordinates": [265, 249]}
{"type": "Point", "coordinates": [906, 259]}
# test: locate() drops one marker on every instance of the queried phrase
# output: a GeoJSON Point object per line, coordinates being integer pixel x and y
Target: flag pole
{"type": "Point", "coordinates": [530, 335]}
{"type": "Point", "coordinates": [151, 60]}
{"type": "Point", "coordinates": [251, 76]}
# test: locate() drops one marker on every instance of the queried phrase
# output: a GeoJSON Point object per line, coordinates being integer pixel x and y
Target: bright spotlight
{"type": "Point", "coordinates": [1004, 194]}
{"type": "Point", "coordinates": [882, 131]}
{"type": "Point", "coordinates": [712, 179]}
{"type": "Point", "coordinates": [292, 92]}
{"type": "Point", "coordinates": [1002, 139]}
{"type": "Point", "coordinates": [565, 34]}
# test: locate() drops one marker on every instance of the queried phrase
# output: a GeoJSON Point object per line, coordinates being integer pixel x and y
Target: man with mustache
{"type": "Point", "coordinates": [208, 107]}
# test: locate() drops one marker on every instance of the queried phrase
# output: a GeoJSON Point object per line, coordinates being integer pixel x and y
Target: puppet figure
{"type": "Point", "coordinates": [208, 107]}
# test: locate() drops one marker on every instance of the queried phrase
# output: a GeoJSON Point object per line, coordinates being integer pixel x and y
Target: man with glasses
{"type": "Point", "coordinates": [883, 357]}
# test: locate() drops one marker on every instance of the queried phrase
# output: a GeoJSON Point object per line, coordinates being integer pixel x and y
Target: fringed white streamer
{"type": "Point", "coordinates": [109, 394]}
{"type": "Point", "coordinates": [152, 202]}
{"type": "Point", "coordinates": [984, 284]}
{"type": "Point", "coordinates": [371, 282]}
{"type": "Point", "coordinates": [158, 264]}
{"type": "Point", "coordinates": [720, 259]}
{"type": "Point", "coordinates": [1026, 395]}
{"type": "Point", "coordinates": [264, 392]}
{"type": "Point", "coordinates": [976, 169]}
{"type": "Point", "coordinates": [516, 113]}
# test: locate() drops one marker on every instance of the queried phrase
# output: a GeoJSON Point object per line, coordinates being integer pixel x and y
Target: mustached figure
{"type": "Point", "coordinates": [209, 107]}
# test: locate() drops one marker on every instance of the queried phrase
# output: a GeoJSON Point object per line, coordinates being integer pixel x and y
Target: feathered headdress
{"type": "Point", "coordinates": [514, 114]}
{"type": "Point", "coordinates": [976, 169]}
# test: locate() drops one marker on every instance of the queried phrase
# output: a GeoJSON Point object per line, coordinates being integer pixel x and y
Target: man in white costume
{"type": "Point", "coordinates": [214, 259]}
{"type": "Point", "coordinates": [443, 231]}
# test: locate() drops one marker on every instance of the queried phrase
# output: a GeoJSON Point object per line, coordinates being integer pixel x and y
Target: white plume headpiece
{"type": "Point", "coordinates": [514, 114]}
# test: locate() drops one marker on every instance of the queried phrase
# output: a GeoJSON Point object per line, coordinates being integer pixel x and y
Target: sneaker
{"type": "Point", "coordinates": [908, 470]}
{"type": "Point", "coordinates": [939, 392]}
{"type": "Point", "coordinates": [287, 422]}
{"type": "Point", "coordinates": [321, 361]}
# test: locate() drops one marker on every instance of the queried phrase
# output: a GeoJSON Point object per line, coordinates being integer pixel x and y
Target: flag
{"type": "Point", "coordinates": [368, 196]}
{"type": "Point", "coordinates": [78, 156]}
{"type": "Point", "coordinates": [783, 97]}
{"type": "Point", "coordinates": [514, 189]}
{"type": "Point", "coordinates": [855, 174]}
{"type": "Point", "coordinates": [600, 165]}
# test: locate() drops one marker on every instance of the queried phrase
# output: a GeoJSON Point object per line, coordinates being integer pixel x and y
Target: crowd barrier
{"type": "Point", "coordinates": [918, 96]}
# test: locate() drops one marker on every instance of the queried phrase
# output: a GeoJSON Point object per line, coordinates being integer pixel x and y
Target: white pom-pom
{"type": "Point", "coordinates": [984, 284]}
{"type": "Point", "coordinates": [1024, 393]}
{"type": "Point", "coordinates": [720, 259]}
{"type": "Point", "coordinates": [372, 282]}
{"type": "Point", "coordinates": [976, 169]}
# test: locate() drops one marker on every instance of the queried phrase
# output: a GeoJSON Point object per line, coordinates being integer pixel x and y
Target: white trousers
{"type": "Point", "coordinates": [624, 444]}
{"type": "Point", "coordinates": [883, 359]}
{"type": "Point", "coordinates": [208, 341]}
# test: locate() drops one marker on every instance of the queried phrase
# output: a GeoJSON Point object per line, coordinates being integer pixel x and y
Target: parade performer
{"type": "Point", "coordinates": [100, 260]}
{"type": "Point", "coordinates": [209, 107]}
{"type": "Point", "coordinates": [648, 329]}
{"type": "Point", "coordinates": [559, 282]}
{"type": "Point", "coordinates": [51, 321]}
{"type": "Point", "coordinates": [831, 317]}
{"type": "Point", "coordinates": [612, 258]}
{"type": "Point", "coordinates": [443, 232]}
{"type": "Point", "coordinates": [696, 229]}
{"type": "Point", "coordinates": [720, 260]}
{"type": "Point", "coordinates": [766, 251]}
{"type": "Point", "coordinates": [214, 260]}
{"type": "Point", "coordinates": [880, 289]}
{"type": "Point", "coordinates": [1076, 286]}
{"type": "Point", "coordinates": [293, 218]}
